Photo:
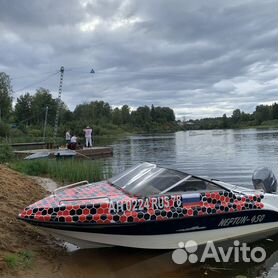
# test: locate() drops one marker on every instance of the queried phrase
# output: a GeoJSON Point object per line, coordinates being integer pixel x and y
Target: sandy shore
{"type": "Point", "coordinates": [24, 250]}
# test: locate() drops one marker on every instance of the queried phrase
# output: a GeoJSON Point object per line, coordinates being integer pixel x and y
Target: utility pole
{"type": "Point", "coordinates": [58, 104]}
{"type": "Point", "coordinates": [45, 122]}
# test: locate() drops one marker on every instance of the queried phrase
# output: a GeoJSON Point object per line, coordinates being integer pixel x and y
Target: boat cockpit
{"type": "Point", "coordinates": [147, 179]}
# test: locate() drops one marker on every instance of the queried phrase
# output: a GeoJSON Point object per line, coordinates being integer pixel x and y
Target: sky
{"type": "Point", "coordinates": [201, 58]}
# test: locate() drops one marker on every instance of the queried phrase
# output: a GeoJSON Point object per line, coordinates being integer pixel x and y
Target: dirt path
{"type": "Point", "coordinates": [24, 251]}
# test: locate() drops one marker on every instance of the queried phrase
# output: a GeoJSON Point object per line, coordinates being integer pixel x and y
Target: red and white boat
{"type": "Point", "coordinates": [148, 206]}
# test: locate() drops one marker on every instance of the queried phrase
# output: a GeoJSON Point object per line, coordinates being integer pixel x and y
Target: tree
{"type": "Point", "coordinates": [262, 113]}
{"type": "Point", "coordinates": [23, 109]}
{"type": "Point", "coordinates": [224, 121]}
{"type": "Point", "coordinates": [142, 116]}
{"type": "Point", "coordinates": [125, 114]}
{"type": "Point", "coordinates": [4, 129]}
{"type": "Point", "coordinates": [153, 114]}
{"type": "Point", "coordinates": [5, 96]}
{"type": "Point", "coordinates": [163, 114]}
{"type": "Point", "coordinates": [66, 115]}
{"type": "Point", "coordinates": [274, 111]}
{"type": "Point", "coordinates": [169, 114]}
{"type": "Point", "coordinates": [95, 112]}
{"type": "Point", "coordinates": [117, 116]}
{"type": "Point", "coordinates": [236, 116]}
{"type": "Point", "coordinates": [41, 99]}
{"type": "Point", "coordinates": [245, 117]}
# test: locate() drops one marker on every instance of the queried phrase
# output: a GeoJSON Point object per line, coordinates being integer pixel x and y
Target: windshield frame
{"type": "Point", "coordinates": [164, 191]}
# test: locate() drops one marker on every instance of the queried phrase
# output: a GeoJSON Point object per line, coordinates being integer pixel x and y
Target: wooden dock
{"type": "Point", "coordinates": [31, 146]}
{"type": "Point", "coordinates": [85, 153]}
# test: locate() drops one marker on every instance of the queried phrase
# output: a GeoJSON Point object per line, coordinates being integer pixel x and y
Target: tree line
{"type": "Point", "coordinates": [29, 112]}
{"type": "Point", "coordinates": [28, 115]}
{"type": "Point", "coordinates": [264, 115]}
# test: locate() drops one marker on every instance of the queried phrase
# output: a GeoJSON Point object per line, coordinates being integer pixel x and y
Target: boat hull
{"type": "Point", "coordinates": [164, 241]}
{"type": "Point", "coordinates": [167, 234]}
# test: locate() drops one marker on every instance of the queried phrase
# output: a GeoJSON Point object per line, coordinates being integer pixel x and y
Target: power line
{"type": "Point", "coordinates": [28, 75]}
{"type": "Point", "coordinates": [37, 82]}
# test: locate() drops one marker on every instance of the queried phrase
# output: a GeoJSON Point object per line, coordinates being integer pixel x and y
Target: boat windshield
{"type": "Point", "coordinates": [147, 179]}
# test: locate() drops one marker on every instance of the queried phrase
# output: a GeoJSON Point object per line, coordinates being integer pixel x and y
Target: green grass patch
{"type": "Point", "coordinates": [71, 170]}
{"type": "Point", "coordinates": [21, 260]}
{"type": "Point", "coordinates": [6, 153]}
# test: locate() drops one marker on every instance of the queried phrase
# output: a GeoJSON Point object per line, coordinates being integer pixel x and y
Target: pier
{"type": "Point", "coordinates": [92, 153]}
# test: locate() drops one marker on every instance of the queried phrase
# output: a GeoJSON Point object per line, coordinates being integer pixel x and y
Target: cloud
{"type": "Point", "coordinates": [202, 58]}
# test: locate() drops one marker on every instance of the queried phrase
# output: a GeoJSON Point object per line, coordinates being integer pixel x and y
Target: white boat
{"type": "Point", "coordinates": [152, 207]}
{"type": "Point", "coordinates": [38, 155]}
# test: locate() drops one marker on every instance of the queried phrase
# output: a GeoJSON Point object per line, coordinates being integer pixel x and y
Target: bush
{"type": "Point", "coordinates": [4, 129]}
{"type": "Point", "coordinates": [270, 123]}
{"type": "Point", "coordinates": [16, 132]}
{"type": "Point", "coordinates": [6, 153]}
{"type": "Point", "coordinates": [35, 132]}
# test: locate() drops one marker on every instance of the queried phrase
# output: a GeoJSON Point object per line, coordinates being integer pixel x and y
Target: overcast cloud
{"type": "Point", "coordinates": [202, 58]}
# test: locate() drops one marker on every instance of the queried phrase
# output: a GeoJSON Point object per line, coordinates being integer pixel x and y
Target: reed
{"type": "Point", "coordinates": [63, 170]}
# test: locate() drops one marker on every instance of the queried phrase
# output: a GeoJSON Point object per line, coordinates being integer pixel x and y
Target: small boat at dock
{"type": "Point", "coordinates": [38, 155]}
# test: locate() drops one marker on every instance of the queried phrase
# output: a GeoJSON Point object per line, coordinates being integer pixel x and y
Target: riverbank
{"type": "Point", "coordinates": [210, 124]}
{"type": "Point", "coordinates": [24, 250]}
{"type": "Point", "coordinates": [65, 171]}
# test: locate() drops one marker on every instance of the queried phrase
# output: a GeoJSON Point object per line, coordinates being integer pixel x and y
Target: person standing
{"type": "Point", "coordinates": [88, 136]}
{"type": "Point", "coordinates": [68, 137]}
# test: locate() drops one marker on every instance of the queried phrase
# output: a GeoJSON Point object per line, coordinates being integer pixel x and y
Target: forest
{"type": "Point", "coordinates": [264, 116]}
{"type": "Point", "coordinates": [28, 114]}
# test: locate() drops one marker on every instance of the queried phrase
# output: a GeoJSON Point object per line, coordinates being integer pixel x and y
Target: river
{"type": "Point", "coordinates": [228, 155]}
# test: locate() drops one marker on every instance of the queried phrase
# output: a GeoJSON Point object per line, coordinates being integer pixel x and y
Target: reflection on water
{"type": "Point", "coordinates": [228, 155]}
{"type": "Point", "coordinates": [125, 262]}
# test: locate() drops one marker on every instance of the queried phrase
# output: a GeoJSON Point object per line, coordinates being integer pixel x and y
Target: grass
{"type": "Point", "coordinates": [23, 259]}
{"type": "Point", "coordinates": [6, 153]}
{"type": "Point", "coordinates": [63, 170]}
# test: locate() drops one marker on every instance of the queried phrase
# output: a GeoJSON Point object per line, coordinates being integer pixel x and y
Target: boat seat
{"type": "Point", "coordinates": [197, 185]}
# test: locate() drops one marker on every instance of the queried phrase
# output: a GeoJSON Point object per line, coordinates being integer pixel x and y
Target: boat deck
{"type": "Point", "coordinates": [94, 152]}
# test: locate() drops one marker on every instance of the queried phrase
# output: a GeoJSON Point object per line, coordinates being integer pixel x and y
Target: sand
{"type": "Point", "coordinates": [16, 192]}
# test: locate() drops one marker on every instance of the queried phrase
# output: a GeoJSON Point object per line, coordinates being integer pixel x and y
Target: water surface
{"type": "Point", "coordinates": [228, 155]}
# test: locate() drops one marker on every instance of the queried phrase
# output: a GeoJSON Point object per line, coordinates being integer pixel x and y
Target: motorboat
{"type": "Point", "coordinates": [147, 206]}
{"type": "Point", "coordinates": [38, 155]}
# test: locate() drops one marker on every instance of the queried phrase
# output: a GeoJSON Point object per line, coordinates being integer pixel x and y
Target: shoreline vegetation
{"type": "Point", "coordinates": [64, 171]}
{"type": "Point", "coordinates": [264, 116]}
{"type": "Point", "coordinates": [25, 121]}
